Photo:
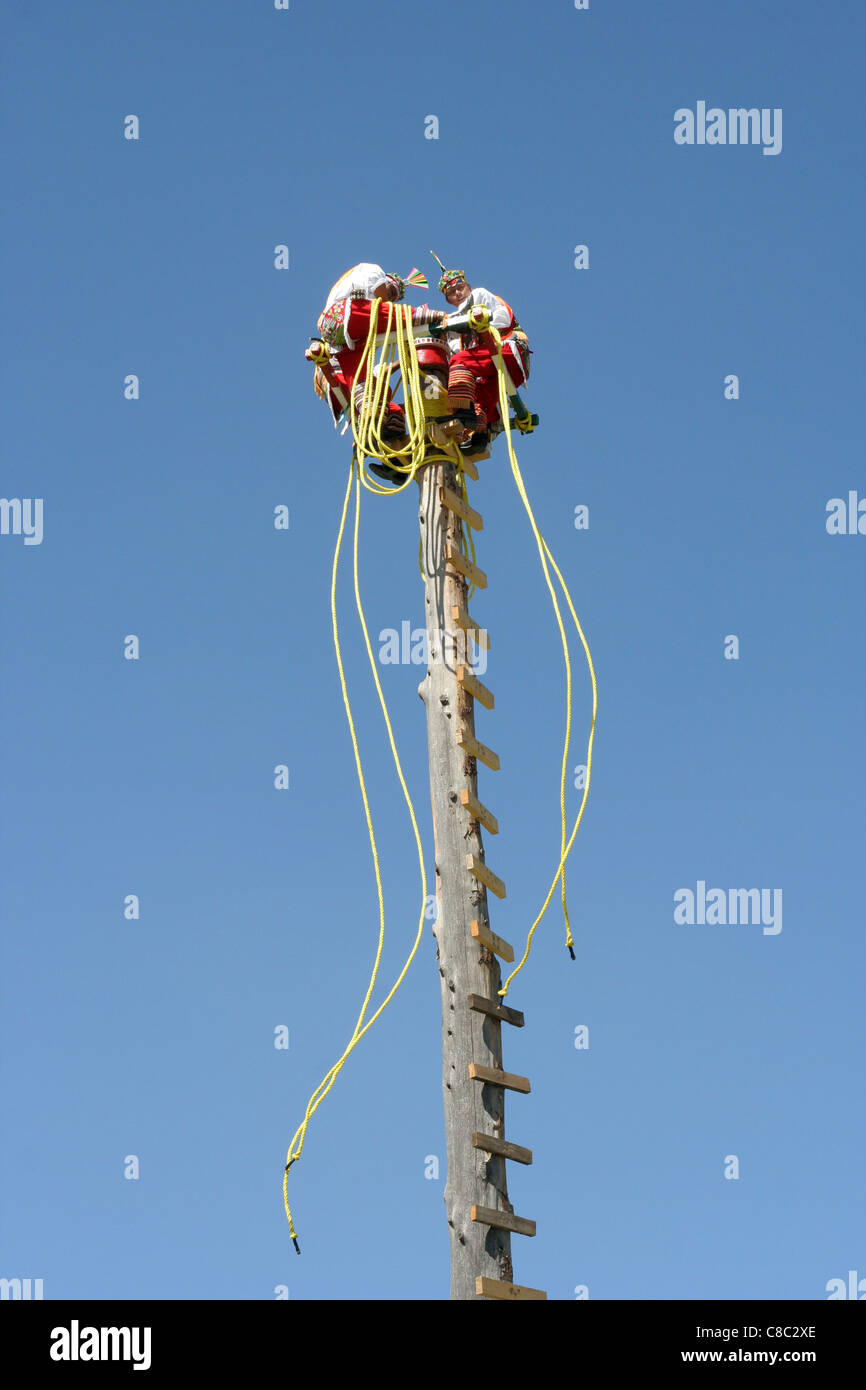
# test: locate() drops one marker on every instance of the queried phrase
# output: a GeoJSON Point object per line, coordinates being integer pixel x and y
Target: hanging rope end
{"type": "Point", "coordinates": [571, 950]}
{"type": "Point", "coordinates": [296, 1245]}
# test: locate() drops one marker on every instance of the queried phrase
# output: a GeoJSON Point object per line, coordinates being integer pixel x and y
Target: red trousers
{"type": "Point", "coordinates": [479, 361]}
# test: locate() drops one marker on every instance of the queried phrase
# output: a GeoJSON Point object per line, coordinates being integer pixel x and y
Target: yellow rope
{"type": "Point", "coordinates": [545, 555]}
{"type": "Point", "coordinates": [297, 1143]}
{"type": "Point", "coordinates": [372, 410]}
{"type": "Point", "coordinates": [397, 340]}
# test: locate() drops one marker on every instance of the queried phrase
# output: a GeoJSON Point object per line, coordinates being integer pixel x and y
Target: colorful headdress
{"type": "Point", "coordinates": [448, 277]}
{"type": "Point", "coordinates": [415, 277]}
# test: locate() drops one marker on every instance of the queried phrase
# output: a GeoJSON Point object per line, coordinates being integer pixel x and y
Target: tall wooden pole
{"type": "Point", "coordinates": [470, 974]}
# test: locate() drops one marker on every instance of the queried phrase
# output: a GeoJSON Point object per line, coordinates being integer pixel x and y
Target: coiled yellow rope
{"type": "Point", "coordinates": [371, 413]}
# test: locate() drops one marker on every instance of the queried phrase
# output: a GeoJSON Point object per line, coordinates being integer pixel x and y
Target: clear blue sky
{"type": "Point", "coordinates": [155, 777]}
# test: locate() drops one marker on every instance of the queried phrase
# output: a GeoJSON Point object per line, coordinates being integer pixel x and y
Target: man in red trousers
{"type": "Point", "coordinates": [473, 383]}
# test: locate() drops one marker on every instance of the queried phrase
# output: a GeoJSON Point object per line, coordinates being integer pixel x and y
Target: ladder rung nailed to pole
{"type": "Point", "coordinates": [474, 749]}
{"type": "Point", "coordinates": [479, 812]}
{"type": "Point", "coordinates": [491, 1145]}
{"type": "Point", "coordinates": [454, 502]}
{"type": "Point", "coordinates": [462, 619]}
{"type": "Point", "coordinates": [491, 1076]}
{"type": "Point", "coordinates": [455, 557]}
{"type": "Point", "coordinates": [494, 943]}
{"type": "Point", "coordinates": [505, 1220]}
{"type": "Point", "coordinates": [495, 1288]}
{"type": "Point", "coordinates": [495, 1008]}
{"type": "Point", "coordinates": [484, 875]}
{"type": "Point", "coordinates": [474, 687]}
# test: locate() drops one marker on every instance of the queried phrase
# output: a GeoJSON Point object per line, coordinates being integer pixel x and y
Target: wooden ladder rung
{"type": "Point", "coordinates": [505, 1220]}
{"type": "Point", "coordinates": [475, 749]}
{"type": "Point", "coordinates": [494, 943]}
{"type": "Point", "coordinates": [479, 870]}
{"type": "Point", "coordinates": [479, 812]}
{"type": "Point", "coordinates": [463, 620]}
{"type": "Point", "coordinates": [474, 687]}
{"type": "Point", "coordinates": [495, 1288]}
{"type": "Point", "coordinates": [495, 1008]}
{"type": "Point", "coordinates": [454, 502]}
{"type": "Point", "coordinates": [469, 468]}
{"type": "Point", "coordinates": [491, 1145]}
{"type": "Point", "coordinates": [455, 557]}
{"type": "Point", "coordinates": [491, 1076]}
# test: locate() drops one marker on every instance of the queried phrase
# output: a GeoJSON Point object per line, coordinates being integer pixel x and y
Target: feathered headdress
{"type": "Point", "coordinates": [448, 277]}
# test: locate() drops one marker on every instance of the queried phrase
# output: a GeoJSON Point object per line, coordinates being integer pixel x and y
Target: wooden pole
{"type": "Point", "coordinates": [471, 1035]}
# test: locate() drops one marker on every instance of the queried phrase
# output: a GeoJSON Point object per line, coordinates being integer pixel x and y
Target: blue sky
{"type": "Point", "coordinates": [154, 1037]}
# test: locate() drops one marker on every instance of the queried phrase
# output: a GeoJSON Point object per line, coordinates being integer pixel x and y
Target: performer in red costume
{"type": "Point", "coordinates": [344, 325]}
{"type": "Point", "coordinates": [473, 383]}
